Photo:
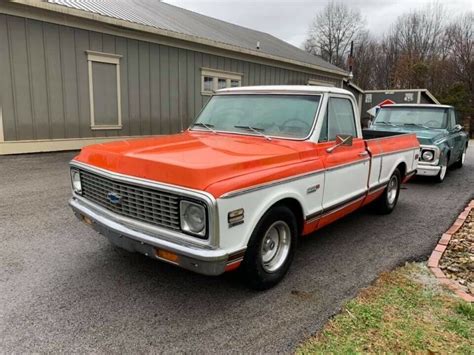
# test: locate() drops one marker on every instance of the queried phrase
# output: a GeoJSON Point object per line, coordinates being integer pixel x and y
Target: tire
{"type": "Point", "coordinates": [460, 162]}
{"type": "Point", "coordinates": [271, 249]}
{"type": "Point", "coordinates": [442, 172]}
{"type": "Point", "coordinates": [386, 203]}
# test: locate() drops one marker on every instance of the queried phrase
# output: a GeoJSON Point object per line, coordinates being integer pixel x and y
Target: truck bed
{"type": "Point", "coordinates": [372, 134]}
{"type": "Point", "coordinates": [383, 142]}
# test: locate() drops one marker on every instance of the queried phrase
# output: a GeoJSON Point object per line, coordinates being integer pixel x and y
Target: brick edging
{"type": "Point", "coordinates": [433, 261]}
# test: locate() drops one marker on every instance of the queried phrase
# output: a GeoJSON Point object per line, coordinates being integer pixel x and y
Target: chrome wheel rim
{"type": "Point", "coordinates": [275, 246]}
{"type": "Point", "coordinates": [392, 190]}
{"type": "Point", "coordinates": [463, 158]}
{"type": "Point", "coordinates": [442, 173]}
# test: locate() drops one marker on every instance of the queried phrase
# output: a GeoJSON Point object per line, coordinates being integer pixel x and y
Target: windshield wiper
{"type": "Point", "coordinates": [208, 126]}
{"type": "Point", "coordinates": [257, 130]}
{"type": "Point", "coordinates": [415, 124]}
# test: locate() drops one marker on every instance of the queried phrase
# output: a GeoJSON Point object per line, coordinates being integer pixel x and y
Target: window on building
{"type": "Point", "coordinates": [213, 80]}
{"type": "Point", "coordinates": [208, 83]}
{"type": "Point", "coordinates": [221, 83]}
{"type": "Point", "coordinates": [104, 90]}
{"type": "Point", "coordinates": [339, 119]}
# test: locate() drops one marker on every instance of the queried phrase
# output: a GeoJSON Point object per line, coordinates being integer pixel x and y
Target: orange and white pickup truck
{"type": "Point", "coordinates": [259, 167]}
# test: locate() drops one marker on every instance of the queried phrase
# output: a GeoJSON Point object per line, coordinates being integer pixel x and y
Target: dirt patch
{"type": "Point", "coordinates": [457, 261]}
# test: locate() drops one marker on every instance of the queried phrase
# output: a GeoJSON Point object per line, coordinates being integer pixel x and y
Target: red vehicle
{"type": "Point", "coordinates": [259, 167]}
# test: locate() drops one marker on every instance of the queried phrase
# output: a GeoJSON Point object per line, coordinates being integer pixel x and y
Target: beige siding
{"type": "Point", "coordinates": [44, 87]}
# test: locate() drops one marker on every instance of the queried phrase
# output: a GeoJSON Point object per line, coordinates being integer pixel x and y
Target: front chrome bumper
{"type": "Point", "coordinates": [428, 170]}
{"type": "Point", "coordinates": [198, 259]}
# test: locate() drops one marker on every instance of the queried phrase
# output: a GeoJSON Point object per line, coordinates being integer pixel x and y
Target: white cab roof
{"type": "Point", "coordinates": [417, 105]}
{"type": "Point", "coordinates": [285, 89]}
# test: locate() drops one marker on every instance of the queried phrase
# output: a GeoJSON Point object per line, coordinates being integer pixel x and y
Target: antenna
{"type": "Point", "coordinates": [351, 61]}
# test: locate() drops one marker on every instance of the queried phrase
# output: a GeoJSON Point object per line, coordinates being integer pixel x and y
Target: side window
{"type": "Point", "coordinates": [452, 119]}
{"type": "Point", "coordinates": [458, 117]}
{"type": "Point", "coordinates": [323, 136]}
{"type": "Point", "coordinates": [339, 119]}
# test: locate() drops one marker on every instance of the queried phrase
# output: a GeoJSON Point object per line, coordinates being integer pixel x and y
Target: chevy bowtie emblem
{"type": "Point", "coordinates": [114, 198]}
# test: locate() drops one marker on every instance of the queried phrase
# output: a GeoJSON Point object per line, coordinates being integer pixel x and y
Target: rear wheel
{"type": "Point", "coordinates": [271, 249]}
{"type": "Point", "coordinates": [386, 203]}
{"type": "Point", "coordinates": [460, 162]}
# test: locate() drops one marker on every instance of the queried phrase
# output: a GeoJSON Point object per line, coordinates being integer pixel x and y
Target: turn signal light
{"type": "Point", "coordinates": [167, 255]}
{"type": "Point", "coordinates": [235, 217]}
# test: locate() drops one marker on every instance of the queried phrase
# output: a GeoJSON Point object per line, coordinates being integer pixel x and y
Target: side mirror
{"type": "Point", "coordinates": [341, 139]}
{"type": "Point", "coordinates": [457, 128]}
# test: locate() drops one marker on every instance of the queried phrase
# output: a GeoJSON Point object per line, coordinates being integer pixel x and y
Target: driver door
{"type": "Point", "coordinates": [347, 166]}
{"type": "Point", "coordinates": [455, 140]}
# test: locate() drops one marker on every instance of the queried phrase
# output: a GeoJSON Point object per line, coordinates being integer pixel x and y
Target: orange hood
{"type": "Point", "coordinates": [200, 160]}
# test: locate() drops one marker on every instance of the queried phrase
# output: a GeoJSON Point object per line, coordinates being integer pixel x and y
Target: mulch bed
{"type": "Point", "coordinates": [457, 261]}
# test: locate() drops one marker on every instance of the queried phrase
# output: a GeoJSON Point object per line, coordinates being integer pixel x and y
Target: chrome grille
{"type": "Point", "coordinates": [137, 202]}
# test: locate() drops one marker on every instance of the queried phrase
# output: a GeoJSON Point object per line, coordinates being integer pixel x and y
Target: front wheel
{"type": "Point", "coordinates": [386, 203]}
{"type": "Point", "coordinates": [271, 249]}
{"type": "Point", "coordinates": [460, 162]}
{"type": "Point", "coordinates": [442, 172]}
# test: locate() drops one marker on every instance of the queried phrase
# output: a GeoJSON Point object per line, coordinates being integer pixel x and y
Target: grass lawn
{"type": "Point", "coordinates": [404, 311]}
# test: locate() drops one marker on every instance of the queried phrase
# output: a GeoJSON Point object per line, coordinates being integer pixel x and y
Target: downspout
{"type": "Point", "coordinates": [2, 136]}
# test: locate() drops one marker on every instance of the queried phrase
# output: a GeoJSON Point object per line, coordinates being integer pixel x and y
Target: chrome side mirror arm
{"type": "Point", "coordinates": [340, 140]}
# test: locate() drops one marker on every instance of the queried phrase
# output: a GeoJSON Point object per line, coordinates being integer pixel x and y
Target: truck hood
{"type": "Point", "coordinates": [193, 159]}
{"type": "Point", "coordinates": [425, 136]}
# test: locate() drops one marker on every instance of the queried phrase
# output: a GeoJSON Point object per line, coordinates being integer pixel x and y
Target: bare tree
{"type": "Point", "coordinates": [415, 42]}
{"type": "Point", "coordinates": [423, 49]}
{"type": "Point", "coordinates": [460, 33]}
{"type": "Point", "coordinates": [332, 31]}
{"type": "Point", "coordinates": [419, 34]}
{"type": "Point", "coordinates": [366, 61]}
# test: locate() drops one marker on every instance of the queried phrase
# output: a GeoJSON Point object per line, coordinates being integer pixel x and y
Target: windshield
{"type": "Point", "coordinates": [428, 117]}
{"type": "Point", "coordinates": [287, 116]}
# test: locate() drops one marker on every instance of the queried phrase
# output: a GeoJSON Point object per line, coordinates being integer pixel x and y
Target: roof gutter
{"type": "Point", "coordinates": [176, 35]}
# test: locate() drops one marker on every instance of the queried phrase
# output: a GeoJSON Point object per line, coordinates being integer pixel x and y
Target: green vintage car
{"type": "Point", "coordinates": [438, 129]}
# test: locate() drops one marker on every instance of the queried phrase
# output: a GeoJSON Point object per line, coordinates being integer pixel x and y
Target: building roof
{"type": "Point", "coordinates": [352, 85]}
{"type": "Point", "coordinates": [163, 16]}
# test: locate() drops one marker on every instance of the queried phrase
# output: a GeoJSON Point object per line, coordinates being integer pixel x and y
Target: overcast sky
{"type": "Point", "coordinates": [289, 19]}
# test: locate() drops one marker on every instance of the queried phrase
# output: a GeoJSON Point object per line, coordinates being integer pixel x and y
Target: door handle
{"type": "Point", "coordinates": [363, 154]}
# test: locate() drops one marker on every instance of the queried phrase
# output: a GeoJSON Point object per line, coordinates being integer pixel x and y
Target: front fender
{"type": "Point", "coordinates": [445, 152]}
{"type": "Point", "coordinates": [257, 203]}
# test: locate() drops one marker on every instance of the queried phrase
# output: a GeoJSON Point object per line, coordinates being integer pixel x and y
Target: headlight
{"type": "Point", "coordinates": [76, 181]}
{"type": "Point", "coordinates": [427, 155]}
{"type": "Point", "coordinates": [193, 218]}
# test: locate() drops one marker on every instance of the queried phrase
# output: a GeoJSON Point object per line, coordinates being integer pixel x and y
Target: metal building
{"type": "Point", "coordinates": [400, 96]}
{"type": "Point", "coordinates": [78, 72]}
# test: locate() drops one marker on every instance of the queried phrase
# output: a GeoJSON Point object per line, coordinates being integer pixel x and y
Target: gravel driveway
{"type": "Point", "coordinates": [64, 288]}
